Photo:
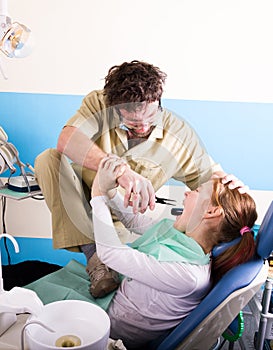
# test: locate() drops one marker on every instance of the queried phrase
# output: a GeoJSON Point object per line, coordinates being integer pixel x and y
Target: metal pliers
{"type": "Point", "coordinates": [166, 201]}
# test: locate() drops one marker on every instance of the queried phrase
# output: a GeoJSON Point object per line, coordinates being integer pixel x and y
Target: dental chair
{"type": "Point", "coordinates": [202, 329]}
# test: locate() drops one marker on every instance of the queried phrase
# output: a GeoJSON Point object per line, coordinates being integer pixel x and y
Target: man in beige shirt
{"type": "Point", "coordinates": [125, 119]}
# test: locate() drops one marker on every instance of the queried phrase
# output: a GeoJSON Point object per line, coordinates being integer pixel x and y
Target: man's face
{"type": "Point", "coordinates": [140, 121]}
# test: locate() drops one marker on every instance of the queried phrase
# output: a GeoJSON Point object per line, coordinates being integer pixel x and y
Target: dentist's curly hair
{"type": "Point", "coordinates": [134, 82]}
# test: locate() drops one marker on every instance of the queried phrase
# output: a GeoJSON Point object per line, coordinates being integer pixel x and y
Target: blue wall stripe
{"type": "Point", "coordinates": [238, 135]}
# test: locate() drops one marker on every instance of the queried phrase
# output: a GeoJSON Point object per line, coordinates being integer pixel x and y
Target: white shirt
{"type": "Point", "coordinates": [154, 296]}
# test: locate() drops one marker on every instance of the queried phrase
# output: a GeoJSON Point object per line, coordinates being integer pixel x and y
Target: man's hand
{"type": "Point", "coordinates": [114, 171]}
{"type": "Point", "coordinates": [139, 192]}
{"type": "Point", "coordinates": [233, 182]}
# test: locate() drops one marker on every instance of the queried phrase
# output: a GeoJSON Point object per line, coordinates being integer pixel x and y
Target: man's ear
{"type": "Point", "coordinates": [213, 212]}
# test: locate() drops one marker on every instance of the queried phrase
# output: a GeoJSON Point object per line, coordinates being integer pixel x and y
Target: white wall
{"type": "Point", "coordinates": [211, 50]}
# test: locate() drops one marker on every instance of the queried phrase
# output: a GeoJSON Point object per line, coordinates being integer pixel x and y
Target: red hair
{"type": "Point", "coordinates": [239, 210]}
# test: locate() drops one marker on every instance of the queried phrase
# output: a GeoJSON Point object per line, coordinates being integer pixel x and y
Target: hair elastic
{"type": "Point", "coordinates": [244, 230]}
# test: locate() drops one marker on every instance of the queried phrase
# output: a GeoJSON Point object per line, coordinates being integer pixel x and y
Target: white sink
{"type": "Point", "coordinates": [76, 324]}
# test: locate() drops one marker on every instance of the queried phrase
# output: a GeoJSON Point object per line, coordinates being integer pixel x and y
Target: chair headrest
{"type": "Point", "coordinates": [264, 237]}
{"type": "Point", "coordinates": [265, 234]}
{"type": "Point", "coordinates": [220, 248]}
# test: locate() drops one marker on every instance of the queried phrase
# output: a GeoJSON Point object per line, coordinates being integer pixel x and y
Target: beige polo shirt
{"type": "Point", "coordinates": [173, 150]}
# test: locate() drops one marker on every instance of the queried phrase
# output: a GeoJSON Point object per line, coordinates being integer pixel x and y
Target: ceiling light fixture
{"type": "Point", "coordinates": [14, 37]}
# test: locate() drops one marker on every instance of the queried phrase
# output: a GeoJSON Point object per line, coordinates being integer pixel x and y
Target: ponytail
{"type": "Point", "coordinates": [235, 255]}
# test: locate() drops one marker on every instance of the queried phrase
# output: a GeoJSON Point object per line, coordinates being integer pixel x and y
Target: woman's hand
{"type": "Point", "coordinates": [110, 168]}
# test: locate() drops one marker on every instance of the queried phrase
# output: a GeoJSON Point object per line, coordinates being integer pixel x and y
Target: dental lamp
{"type": "Point", "coordinates": [9, 157]}
{"type": "Point", "coordinates": [14, 37]}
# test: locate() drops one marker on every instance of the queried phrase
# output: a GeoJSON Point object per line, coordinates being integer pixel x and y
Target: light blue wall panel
{"type": "Point", "coordinates": [33, 121]}
{"type": "Point", "coordinates": [238, 135]}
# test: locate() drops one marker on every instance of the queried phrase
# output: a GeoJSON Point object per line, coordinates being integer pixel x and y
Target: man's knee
{"type": "Point", "coordinates": [46, 158]}
{"type": "Point", "coordinates": [47, 165]}
{"type": "Point", "coordinates": [47, 162]}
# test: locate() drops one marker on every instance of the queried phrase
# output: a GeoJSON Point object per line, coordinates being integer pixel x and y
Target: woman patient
{"type": "Point", "coordinates": [169, 269]}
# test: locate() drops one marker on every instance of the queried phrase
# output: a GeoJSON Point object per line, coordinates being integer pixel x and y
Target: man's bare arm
{"type": "Point", "coordinates": [79, 148]}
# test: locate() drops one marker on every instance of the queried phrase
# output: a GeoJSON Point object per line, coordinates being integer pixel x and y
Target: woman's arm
{"type": "Point", "coordinates": [137, 223]}
{"type": "Point", "coordinates": [171, 278]}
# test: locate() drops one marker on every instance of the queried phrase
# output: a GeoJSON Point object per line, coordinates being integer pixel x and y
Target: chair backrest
{"type": "Point", "coordinates": [265, 234]}
{"type": "Point", "coordinates": [228, 297]}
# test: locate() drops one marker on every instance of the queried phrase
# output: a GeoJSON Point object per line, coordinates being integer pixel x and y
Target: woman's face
{"type": "Point", "coordinates": [195, 204]}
